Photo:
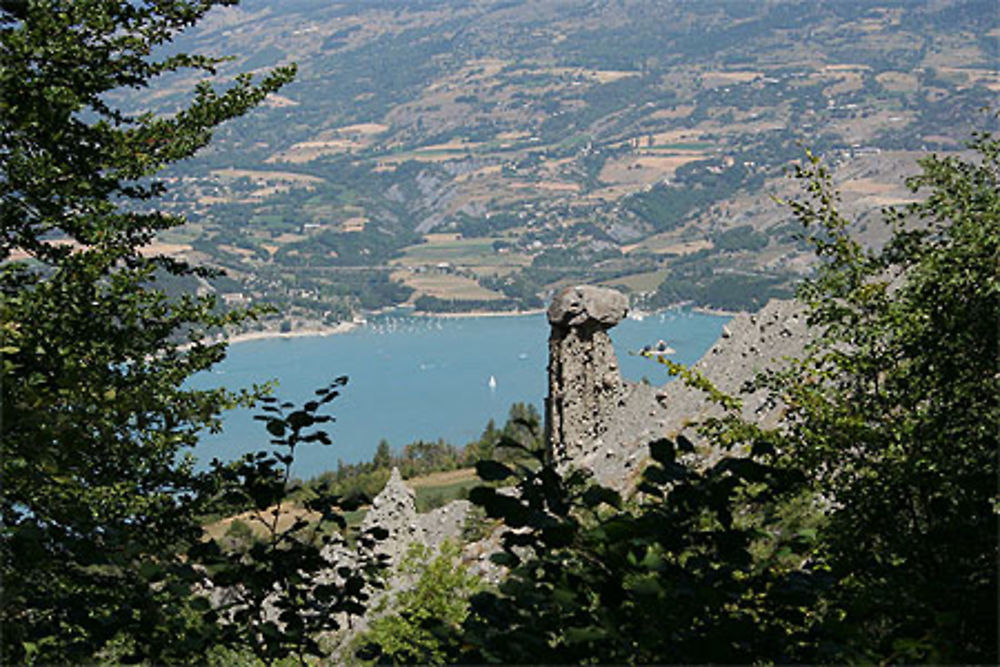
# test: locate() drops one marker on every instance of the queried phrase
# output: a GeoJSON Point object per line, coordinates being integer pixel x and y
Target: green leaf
{"type": "Point", "coordinates": [663, 450]}
{"type": "Point", "coordinates": [595, 495]}
{"type": "Point", "coordinates": [493, 471]}
{"type": "Point", "coordinates": [585, 634]}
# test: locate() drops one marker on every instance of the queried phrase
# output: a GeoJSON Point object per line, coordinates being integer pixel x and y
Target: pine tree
{"type": "Point", "coordinates": [97, 495]}
{"type": "Point", "coordinates": [383, 455]}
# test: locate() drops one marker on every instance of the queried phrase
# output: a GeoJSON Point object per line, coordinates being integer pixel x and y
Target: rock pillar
{"type": "Point", "coordinates": [585, 385]}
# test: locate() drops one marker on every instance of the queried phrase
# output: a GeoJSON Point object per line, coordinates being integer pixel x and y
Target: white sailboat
{"type": "Point", "coordinates": [492, 383]}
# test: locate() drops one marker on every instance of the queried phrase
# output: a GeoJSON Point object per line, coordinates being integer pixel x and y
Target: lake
{"type": "Point", "coordinates": [423, 377]}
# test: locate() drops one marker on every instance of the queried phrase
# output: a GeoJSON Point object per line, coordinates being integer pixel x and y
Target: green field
{"type": "Point", "coordinates": [465, 251]}
{"type": "Point", "coordinates": [429, 497]}
{"type": "Point", "coordinates": [640, 282]}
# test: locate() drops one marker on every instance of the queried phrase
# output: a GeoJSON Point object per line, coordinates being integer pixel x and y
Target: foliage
{"type": "Point", "coordinates": [484, 447]}
{"type": "Point", "coordinates": [743, 237]}
{"type": "Point", "coordinates": [95, 417]}
{"type": "Point", "coordinates": [471, 227]}
{"type": "Point", "coordinates": [672, 579]}
{"type": "Point", "coordinates": [281, 592]}
{"type": "Point", "coordinates": [421, 627]}
{"type": "Point", "coordinates": [521, 433]}
{"type": "Point", "coordinates": [666, 207]}
{"type": "Point", "coordinates": [383, 455]}
{"type": "Point", "coordinates": [101, 537]}
{"type": "Point", "coordinates": [704, 286]}
{"type": "Point", "coordinates": [521, 430]}
{"type": "Point", "coordinates": [514, 286]}
{"type": "Point", "coordinates": [894, 410]}
{"type": "Point", "coordinates": [330, 248]}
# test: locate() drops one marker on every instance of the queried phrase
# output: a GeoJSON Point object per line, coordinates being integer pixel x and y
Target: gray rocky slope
{"type": "Point", "coordinates": [597, 420]}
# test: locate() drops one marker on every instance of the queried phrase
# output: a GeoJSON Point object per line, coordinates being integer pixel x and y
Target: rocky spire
{"type": "Point", "coordinates": [585, 386]}
{"type": "Point", "coordinates": [394, 510]}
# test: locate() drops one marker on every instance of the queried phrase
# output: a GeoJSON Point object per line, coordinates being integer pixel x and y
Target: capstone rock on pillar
{"type": "Point", "coordinates": [585, 386]}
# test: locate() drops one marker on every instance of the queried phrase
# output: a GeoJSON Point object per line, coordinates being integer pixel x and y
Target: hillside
{"type": "Point", "coordinates": [463, 156]}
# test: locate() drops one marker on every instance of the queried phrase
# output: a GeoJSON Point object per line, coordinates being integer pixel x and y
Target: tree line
{"type": "Point", "coordinates": [420, 457]}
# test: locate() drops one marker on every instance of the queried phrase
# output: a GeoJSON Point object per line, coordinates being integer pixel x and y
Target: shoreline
{"type": "Point", "coordinates": [346, 327]}
{"type": "Point", "coordinates": [705, 310]}
{"type": "Point", "coordinates": [246, 336]}
{"type": "Point", "coordinates": [479, 313]}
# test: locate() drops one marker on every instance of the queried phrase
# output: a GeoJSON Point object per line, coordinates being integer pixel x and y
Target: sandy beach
{"type": "Point", "coordinates": [342, 327]}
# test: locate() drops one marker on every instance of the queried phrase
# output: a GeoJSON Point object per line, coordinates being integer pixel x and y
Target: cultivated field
{"type": "Point", "coordinates": [640, 282]}
{"type": "Point", "coordinates": [443, 285]}
{"type": "Point", "coordinates": [640, 170]}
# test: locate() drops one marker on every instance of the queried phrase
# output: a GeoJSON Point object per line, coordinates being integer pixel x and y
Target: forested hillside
{"type": "Point", "coordinates": [482, 155]}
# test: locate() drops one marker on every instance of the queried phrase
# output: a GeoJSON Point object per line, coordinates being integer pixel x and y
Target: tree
{"type": "Point", "coordinates": [383, 455]}
{"type": "Point", "coordinates": [484, 446]}
{"type": "Point", "coordinates": [672, 579]}
{"type": "Point", "coordinates": [895, 411]}
{"type": "Point", "coordinates": [98, 499]}
{"type": "Point", "coordinates": [523, 427]}
{"type": "Point", "coordinates": [278, 594]}
{"type": "Point", "coordinates": [421, 626]}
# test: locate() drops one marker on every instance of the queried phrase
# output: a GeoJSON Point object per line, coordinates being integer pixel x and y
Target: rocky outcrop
{"type": "Point", "coordinates": [598, 421]}
{"type": "Point", "coordinates": [591, 413]}
{"type": "Point", "coordinates": [585, 387]}
{"type": "Point", "coordinates": [444, 523]}
{"type": "Point", "coordinates": [750, 343]}
{"type": "Point", "coordinates": [395, 511]}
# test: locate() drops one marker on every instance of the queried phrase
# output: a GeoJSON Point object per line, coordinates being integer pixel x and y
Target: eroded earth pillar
{"type": "Point", "coordinates": [585, 385]}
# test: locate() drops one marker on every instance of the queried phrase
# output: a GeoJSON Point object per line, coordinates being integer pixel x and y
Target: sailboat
{"type": "Point", "coordinates": [492, 383]}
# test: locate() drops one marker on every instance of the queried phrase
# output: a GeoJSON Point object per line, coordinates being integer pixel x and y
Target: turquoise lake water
{"type": "Point", "coordinates": [423, 377]}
